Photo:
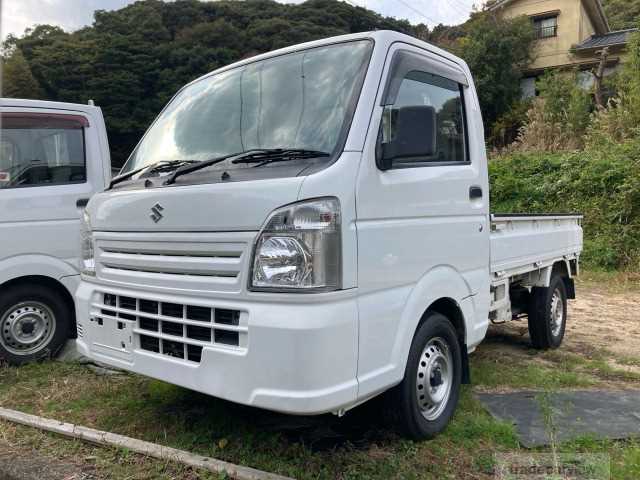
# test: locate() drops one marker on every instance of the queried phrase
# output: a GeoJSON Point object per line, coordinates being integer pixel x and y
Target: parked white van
{"type": "Point", "coordinates": [53, 158]}
{"type": "Point", "coordinates": [306, 229]}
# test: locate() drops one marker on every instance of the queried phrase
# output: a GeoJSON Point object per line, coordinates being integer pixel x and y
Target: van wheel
{"type": "Point", "coordinates": [548, 314]}
{"type": "Point", "coordinates": [428, 395]}
{"type": "Point", "coordinates": [34, 324]}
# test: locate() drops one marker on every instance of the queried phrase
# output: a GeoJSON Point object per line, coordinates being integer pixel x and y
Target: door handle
{"type": "Point", "coordinates": [475, 192]}
{"type": "Point", "coordinates": [82, 202]}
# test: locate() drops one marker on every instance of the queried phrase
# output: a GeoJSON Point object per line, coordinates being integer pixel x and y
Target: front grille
{"type": "Point", "coordinates": [186, 261]}
{"type": "Point", "coordinates": [174, 329]}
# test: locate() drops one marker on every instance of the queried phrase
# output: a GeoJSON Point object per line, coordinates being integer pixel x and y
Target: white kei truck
{"type": "Point", "coordinates": [53, 157]}
{"type": "Point", "coordinates": [306, 229]}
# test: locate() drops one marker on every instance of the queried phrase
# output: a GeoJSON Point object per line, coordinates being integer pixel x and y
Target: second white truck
{"type": "Point", "coordinates": [306, 229]}
{"type": "Point", "coordinates": [53, 157]}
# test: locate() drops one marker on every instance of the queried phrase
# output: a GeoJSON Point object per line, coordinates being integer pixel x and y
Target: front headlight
{"type": "Point", "coordinates": [86, 245]}
{"type": "Point", "coordinates": [299, 248]}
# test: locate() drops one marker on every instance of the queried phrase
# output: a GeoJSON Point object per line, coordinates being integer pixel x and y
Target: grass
{"type": "Point", "coordinates": [359, 446]}
{"type": "Point", "coordinates": [362, 445]}
{"type": "Point", "coordinates": [610, 281]}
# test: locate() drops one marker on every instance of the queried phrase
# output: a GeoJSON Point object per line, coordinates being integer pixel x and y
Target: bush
{"type": "Point", "coordinates": [620, 120]}
{"type": "Point", "coordinates": [603, 183]}
{"type": "Point", "coordinates": [558, 117]}
{"type": "Point", "coordinates": [506, 128]}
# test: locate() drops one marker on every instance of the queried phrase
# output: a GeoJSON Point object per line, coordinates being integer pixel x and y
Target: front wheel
{"type": "Point", "coordinates": [34, 324]}
{"type": "Point", "coordinates": [428, 394]}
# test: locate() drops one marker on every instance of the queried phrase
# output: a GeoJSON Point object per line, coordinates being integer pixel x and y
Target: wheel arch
{"type": "Point", "coordinates": [48, 272]}
{"type": "Point", "coordinates": [564, 269]}
{"type": "Point", "coordinates": [451, 309]}
{"type": "Point", "coordinates": [443, 290]}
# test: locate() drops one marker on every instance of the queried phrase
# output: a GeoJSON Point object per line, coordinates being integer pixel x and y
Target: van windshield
{"type": "Point", "coordinates": [301, 100]}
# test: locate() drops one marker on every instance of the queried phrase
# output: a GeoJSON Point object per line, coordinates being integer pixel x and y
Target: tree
{"type": "Point", "coordinates": [17, 79]}
{"type": "Point", "coordinates": [497, 51]}
{"type": "Point", "coordinates": [619, 121]}
{"type": "Point", "coordinates": [622, 13]}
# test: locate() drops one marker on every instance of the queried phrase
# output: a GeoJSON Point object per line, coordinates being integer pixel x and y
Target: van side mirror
{"type": "Point", "coordinates": [414, 136]}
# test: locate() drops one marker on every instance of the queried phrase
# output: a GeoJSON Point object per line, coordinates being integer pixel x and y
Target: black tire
{"type": "Point", "coordinates": [50, 315]}
{"type": "Point", "coordinates": [545, 330]}
{"type": "Point", "coordinates": [406, 396]}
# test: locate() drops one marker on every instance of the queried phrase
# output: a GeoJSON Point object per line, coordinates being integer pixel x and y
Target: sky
{"type": "Point", "coordinates": [17, 15]}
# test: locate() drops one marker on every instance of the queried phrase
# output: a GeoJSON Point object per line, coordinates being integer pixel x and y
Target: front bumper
{"type": "Point", "coordinates": [292, 357]}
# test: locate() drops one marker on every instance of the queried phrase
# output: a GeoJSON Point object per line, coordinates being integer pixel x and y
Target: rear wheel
{"type": "Point", "coordinates": [427, 396]}
{"type": "Point", "coordinates": [548, 314]}
{"type": "Point", "coordinates": [34, 323]}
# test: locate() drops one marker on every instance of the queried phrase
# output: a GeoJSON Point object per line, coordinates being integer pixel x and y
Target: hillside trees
{"type": "Point", "coordinates": [497, 50]}
{"type": "Point", "coordinates": [18, 81]}
{"type": "Point", "coordinates": [622, 13]}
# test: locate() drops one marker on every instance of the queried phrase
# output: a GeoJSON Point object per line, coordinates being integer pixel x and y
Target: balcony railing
{"type": "Point", "coordinates": [546, 32]}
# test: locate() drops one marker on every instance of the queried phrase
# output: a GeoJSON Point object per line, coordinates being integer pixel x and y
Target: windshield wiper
{"type": "Point", "coordinates": [154, 167]}
{"type": "Point", "coordinates": [280, 155]}
{"type": "Point", "coordinates": [168, 166]}
{"type": "Point", "coordinates": [255, 155]}
{"type": "Point", "coordinates": [204, 164]}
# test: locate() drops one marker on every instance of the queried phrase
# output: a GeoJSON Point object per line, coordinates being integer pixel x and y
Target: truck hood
{"type": "Point", "coordinates": [237, 206]}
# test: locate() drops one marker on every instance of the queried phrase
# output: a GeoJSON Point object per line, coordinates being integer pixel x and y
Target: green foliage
{"type": "Point", "coordinates": [558, 117]}
{"type": "Point", "coordinates": [496, 50]}
{"type": "Point", "coordinates": [132, 60]}
{"type": "Point", "coordinates": [567, 103]}
{"type": "Point", "coordinates": [622, 13]}
{"type": "Point", "coordinates": [602, 182]}
{"type": "Point", "coordinates": [506, 128]}
{"type": "Point", "coordinates": [620, 120]}
{"type": "Point", "coordinates": [17, 78]}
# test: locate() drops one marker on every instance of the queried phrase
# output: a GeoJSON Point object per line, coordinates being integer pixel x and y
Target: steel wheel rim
{"type": "Point", "coordinates": [434, 378]}
{"type": "Point", "coordinates": [557, 313]}
{"type": "Point", "coordinates": [27, 327]}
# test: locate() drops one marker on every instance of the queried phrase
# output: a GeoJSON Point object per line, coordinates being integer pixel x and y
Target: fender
{"type": "Point", "coordinates": [542, 277]}
{"type": "Point", "coordinates": [41, 265]}
{"type": "Point", "coordinates": [440, 282]}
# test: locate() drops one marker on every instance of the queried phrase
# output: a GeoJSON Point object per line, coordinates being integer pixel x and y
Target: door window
{"type": "Point", "coordinates": [445, 96]}
{"type": "Point", "coordinates": [38, 150]}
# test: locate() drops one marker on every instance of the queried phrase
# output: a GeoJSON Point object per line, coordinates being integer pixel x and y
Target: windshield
{"type": "Point", "coordinates": [299, 100]}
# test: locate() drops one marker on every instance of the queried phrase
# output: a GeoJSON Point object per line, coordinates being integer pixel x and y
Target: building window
{"type": "Point", "coordinates": [546, 27]}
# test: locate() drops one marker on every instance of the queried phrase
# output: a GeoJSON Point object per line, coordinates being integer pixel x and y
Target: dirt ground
{"type": "Point", "coordinates": [605, 320]}
{"type": "Point", "coordinates": [602, 318]}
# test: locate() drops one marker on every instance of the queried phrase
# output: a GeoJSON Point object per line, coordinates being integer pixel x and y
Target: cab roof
{"type": "Point", "coordinates": [382, 38]}
{"type": "Point", "coordinates": [45, 104]}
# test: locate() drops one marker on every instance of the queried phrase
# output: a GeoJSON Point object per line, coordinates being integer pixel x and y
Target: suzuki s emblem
{"type": "Point", "coordinates": [156, 214]}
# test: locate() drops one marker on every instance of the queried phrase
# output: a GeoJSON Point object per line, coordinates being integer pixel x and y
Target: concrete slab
{"type": "Point", "coordinates": [604, 414]}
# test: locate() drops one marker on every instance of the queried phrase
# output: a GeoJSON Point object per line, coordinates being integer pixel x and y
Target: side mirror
{"type": "Point", "coordinates": [415, 136]}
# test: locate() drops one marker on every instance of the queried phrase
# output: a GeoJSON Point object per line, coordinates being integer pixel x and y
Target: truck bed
{"type": "Point", "coordinates": [521, 243]}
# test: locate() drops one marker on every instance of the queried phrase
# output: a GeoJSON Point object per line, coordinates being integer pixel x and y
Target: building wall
{"type": "Point", "coordinates": [574, 26]}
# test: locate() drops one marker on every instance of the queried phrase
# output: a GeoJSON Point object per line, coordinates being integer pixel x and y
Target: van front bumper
{"type": "Point", "coordinates": [297, 355]}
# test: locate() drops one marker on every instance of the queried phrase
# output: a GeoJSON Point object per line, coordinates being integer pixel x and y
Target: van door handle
{"type": "Point", "coordinates": [475, 192]}
{"type": "Point", "coordinates": [82, 202]}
